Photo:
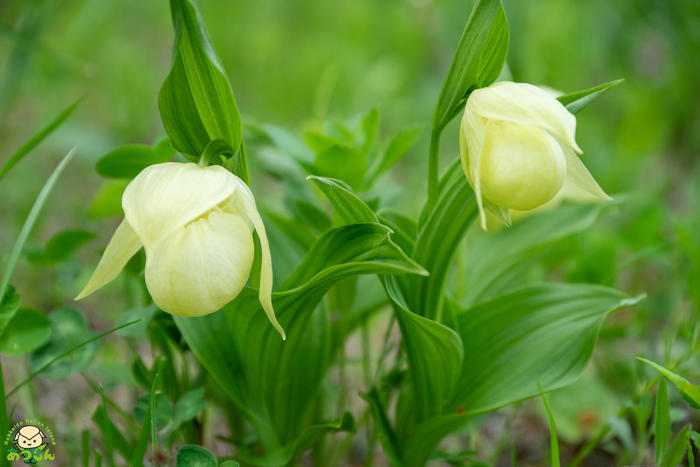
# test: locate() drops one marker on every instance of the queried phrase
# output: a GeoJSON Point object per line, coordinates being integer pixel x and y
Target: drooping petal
{"type": "Point", "coordinates": [202, 266]}
{"type": "Point", "coordinates": [471, 142]}
{"type": "Point", "coordinates": [165, 197]}
{"type": "Point", "coordinates": [579, 177]}
{"type": "Point", "coordinates": [245, 201]}
{"type": "Point", "coordinates": [528, 105]}
{"type": "Point", "coordinates": [123, 245]}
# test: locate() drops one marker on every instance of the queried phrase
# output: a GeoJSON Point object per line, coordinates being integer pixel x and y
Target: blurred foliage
{"type": "Point", "coordinates": [298, 64]}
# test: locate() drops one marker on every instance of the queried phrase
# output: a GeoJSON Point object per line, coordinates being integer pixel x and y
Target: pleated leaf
{"type": "Point", "coordinates": [478, 60]}
{"type": "Point", "coordinates": [196, 100]}
{"type": "Point", "coordinates": [274, 382]}
{"type": "Point", "coordinates": [496, 262]}
{"type": "Point", "coordinates": [543, 333]}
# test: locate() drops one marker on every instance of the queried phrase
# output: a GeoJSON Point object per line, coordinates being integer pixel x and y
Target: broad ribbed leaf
{"type": "Point", "coordinates": [351, 208]}
{"type": "Point", "coordinates": [478, 60]}
{"type": "Point", "coordinates": [576, 101]}
{"type": "Point", "coordinates": [441, 232]}
{"type": "Point", "coordinates": [196, 101]}
{"type": "Point", "coordinates": [544, 333]}
{"type": "Point", "coordinates": [274, 382]}
{"type": "Point", "coordinates": [306, 440]}
{"type": "Point", "coordinates": [434, 354]}
{"type": "Point", "coordinates": [496, 262]}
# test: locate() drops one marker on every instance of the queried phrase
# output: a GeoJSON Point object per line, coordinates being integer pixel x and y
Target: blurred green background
{"type": "Point", "coordinates": [297, 63]}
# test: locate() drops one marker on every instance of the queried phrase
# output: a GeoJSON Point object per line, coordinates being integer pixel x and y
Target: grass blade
{"type": "Point", "coordinates": [31, 220]}
{"type": "Point", "coordinates": [662, 421]}
{"type": "Point", "coordinates": [38, 138]}
{"type": "Point", "coordinates": [108, 432]}
{"type": "Point", "coordinates": [554, 441]}
{"type": "Point", "coordinates": [64, 354]}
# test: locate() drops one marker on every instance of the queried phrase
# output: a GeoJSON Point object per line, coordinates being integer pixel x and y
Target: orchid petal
{"type": "Point", "coordinates": [578, 176]}
{"type": "Point", "coordinates": [245, 200]}
{"type": "Point", "coordinates": [123, 245]}
{"type": "Point", "coordinates": [164, 197]}
{"type": "Point", "coordinates": [202, 266]}
{"type": "Point", "coordinates": [528, 105]}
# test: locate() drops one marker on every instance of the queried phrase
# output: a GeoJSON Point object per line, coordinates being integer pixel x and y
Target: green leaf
{"type": "Point", "coordinates": [425, 437]}
{"type": "Point", "coordinates": [188, 406]}
{"type": "Point", "coordinates": [31, 220]}
{"type": "Point", "coordinates": [27, 330]}
{"type": "Point", "coordinates": [553, 441]}
{"type": "Point", "coordinates": [305, 441]}
{"type": "Point", "coordinates": [386, 434]}
{"type": "Point", "coordinates": [351, 208]}
{"type": "Point", "coordinates": [68, 328]}
{"type": "Point", "coordinates": [243, 353]}
{"type": "Point", "coordinates": [63, 355]}
{"type": "Point", "coordinates": [143, 314]}
{"type": "Point", "coordinates": [542, 333]}
{"type": "Point", "coordinates": [128, 161]}
{"type": "Point", "coordinates": [108, 200]}
{"type": "Point", "coordinates": [441, 232]}
{"type": "Point", "coordinates": [576, 101]}
{"type": "Point", "coordinates": [478, 60]}
{"type": "Point", "coordinates": [149, 421]}
{"type": "Point", "coordinates": [397, 148]}
{"type": "Point", "coordinates": [675, 452]}
{"type": "Point", "coordinates": [109, 429]}
{"type": "Point", "coordinates": [496, 262]}
{"type": "Point", "coordinates": [196, 100]}
{"type": "Point", "coordinates": [336, 159]}
{"type": "Point", "coordinates": [38, 138]}
{"type": "Point", "coordinates": [9, 303]}
{"type": "Point", "coordinates": [690, 392]}
{"type": "Point", "coordinates": [662, 421]}
{"type": "Point", "coordinates": [195, 456]}
{"type": "Point", "coordinates": [164, 412]}
{"type": "Point", "coordinates": [62, 245]}
{"type": "Point", "coordinates": [434, 354]}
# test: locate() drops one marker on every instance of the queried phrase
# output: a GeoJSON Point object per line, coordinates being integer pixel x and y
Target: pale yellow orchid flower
{"type": "Point", "coordinates": [518, 149]}
{"type": "Point", "coordinates": [196, 225]}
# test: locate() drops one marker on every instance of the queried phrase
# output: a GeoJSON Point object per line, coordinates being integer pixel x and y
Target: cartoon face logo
{"type": "Point", "coordinates": [29, 437]}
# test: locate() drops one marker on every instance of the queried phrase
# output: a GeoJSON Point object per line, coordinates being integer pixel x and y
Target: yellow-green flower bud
{"type": "Point", "coordinates": [196, 225]}
{"type": "Point", "coordinates": [518, 149]}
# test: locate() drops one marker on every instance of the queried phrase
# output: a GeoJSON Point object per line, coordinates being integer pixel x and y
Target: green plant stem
{"type": "Point", "coordinates": [4, 423]}
{"type": "Point", "coordinates": [434, 167]}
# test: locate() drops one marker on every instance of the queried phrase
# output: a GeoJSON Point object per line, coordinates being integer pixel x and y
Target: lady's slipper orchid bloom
{"type": "Point", "coordinates": [196, 225]}
{"type": "Point", "coordinates": [518, 149]}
